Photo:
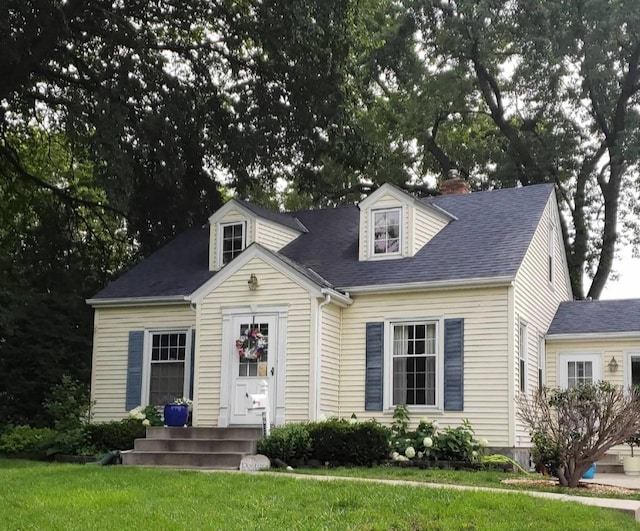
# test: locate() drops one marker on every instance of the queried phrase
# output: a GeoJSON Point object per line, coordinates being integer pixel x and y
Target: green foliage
{"type": "Point", "coordinates": [338, 442]}
{"type": "Point", "coordinates": [545, 453]}
{"type": "Point", "coordinates": [70, 405]}
{"type": "Point", "coordinates": [427, 443]}
{"type": "Point", "coordinates": [116, 435]}
{"type": "Point", "coordinates": [26, 440]}
{"type": "Point", "coordinates": [633, 441]}
{"type": "Point", "coordinates": [289, 443]}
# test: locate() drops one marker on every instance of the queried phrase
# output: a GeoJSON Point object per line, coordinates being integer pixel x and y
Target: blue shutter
{"type": "Point", "coordinates": [134, 370]}
{"type": "Point", "coordinates": [374, 367]}
{"type": "Point", "coordinates": [193, 355]}
{"type": "Point", "coordinates": [454, 364]}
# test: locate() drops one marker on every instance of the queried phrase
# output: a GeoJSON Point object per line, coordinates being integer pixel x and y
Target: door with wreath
{"type": "Point", "coordinates": [254, 354]}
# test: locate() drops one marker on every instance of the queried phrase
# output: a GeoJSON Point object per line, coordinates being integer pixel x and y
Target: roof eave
{"type": "Point", "coordinates": [593, 335]}
{"type": "Point", "coordinates": [138, 301]}
{"type": "Point", "coordinates": [504, 281]}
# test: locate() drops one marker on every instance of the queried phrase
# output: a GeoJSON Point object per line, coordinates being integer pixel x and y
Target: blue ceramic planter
{"type": "Point", "coordinates": [591, 471]}
{"type": "Point", "coordinates": [175, 415]}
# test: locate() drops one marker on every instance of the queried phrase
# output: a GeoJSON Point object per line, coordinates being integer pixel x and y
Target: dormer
{"type": "Point", "coordinates": [394, 224]}
{"type": "Point", "coordinates": [238, 224]}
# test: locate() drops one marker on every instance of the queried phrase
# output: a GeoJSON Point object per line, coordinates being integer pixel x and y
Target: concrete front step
{"type": "Point", "coordinates": [159, 432]}
{"type": "Point", "coordinates": [211, 460]}
{"type": "Point", "coordinates": [196, 445]}
{"type": "Point", "coordinates": [211, 448]}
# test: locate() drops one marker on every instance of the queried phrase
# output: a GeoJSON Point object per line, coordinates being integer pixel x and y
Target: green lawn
{"type": "Point", "coordinates": [54, 496]}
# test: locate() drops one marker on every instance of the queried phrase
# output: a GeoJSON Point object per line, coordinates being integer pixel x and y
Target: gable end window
{"type": "Point", "coordinates": [414, 356]}
{"type": "Point", "coordinates": [233, 241]}
{"type": "Point", "coordinates": [386, 232]}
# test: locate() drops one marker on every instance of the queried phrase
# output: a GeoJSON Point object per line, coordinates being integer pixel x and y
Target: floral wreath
{"type": "Point", "coordinates": [251, 344]}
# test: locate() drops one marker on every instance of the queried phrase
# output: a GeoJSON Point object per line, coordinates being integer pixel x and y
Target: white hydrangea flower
{"type": "Point", "coordinates": [428, 442]}
{"type": "Point", "coordinates": [420, 455]}
{"type": "Point", "coordinates": [402, 458]}
{"type": "Point", "coordinates": [395, 455]}
{"type": "Point", "coordinates": [146, 422]}
{"type": "Point", "coordinates": [483, 442]}
{"type": "Point", "coordinates": [424, 420]}
{"type": "Point", "coordinates": [353, 421]}
{"type": "Point", "coordinates": [410, 452]}
{"type": "Point", "coordinates": [474, 453]}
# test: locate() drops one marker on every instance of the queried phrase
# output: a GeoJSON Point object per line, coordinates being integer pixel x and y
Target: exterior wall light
{"type": "Point", "coordinates": [253, 282]}
{"type": "Point", "coordinates": [613, 365]}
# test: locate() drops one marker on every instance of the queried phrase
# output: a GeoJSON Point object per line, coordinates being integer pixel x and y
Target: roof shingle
{"type": "Point", "coordinates": [596, 317]}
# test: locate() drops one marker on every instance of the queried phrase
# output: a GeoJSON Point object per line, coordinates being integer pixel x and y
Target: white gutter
{"type": "Point", "coordinates": [336, 297]}
{"type": "Point", "coordinates": [317, 368]}
{"type": "Point", "coordinates": [138, 301]}
{"type": "Point", "coordinates": [592, 336]}
{"type": "Point", "coordinates": [434, 285]}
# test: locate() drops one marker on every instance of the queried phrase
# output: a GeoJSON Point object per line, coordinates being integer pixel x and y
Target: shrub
{"type": "Point", "coordinates": [70, 407]}
{"type": "Point", "coordinates": [457, 444]}
{"type": "Point", "coordinates": [116, 435]}
{"type": "Point", "coordinates": [339, 442]}
{"type": "Point", "coordinates": [35, 442]}
{"type": "Point", "coordinates": [289, 443]}
{"type": "Point", "coordinates": [582, 423]}
{"type": "Point", "coordinates": [545, 454]}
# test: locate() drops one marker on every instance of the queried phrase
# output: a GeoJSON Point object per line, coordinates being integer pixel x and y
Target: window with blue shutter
{"type": "Point", "coordinates": [134, 369]}
{"type": "Point", "coordinates": [454, 364]}
{"type": "Point", "coordinates": [374, 377]}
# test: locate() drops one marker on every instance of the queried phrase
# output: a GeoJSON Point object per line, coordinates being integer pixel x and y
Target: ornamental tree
{"type": "Point", "coordinates": [582, 423]}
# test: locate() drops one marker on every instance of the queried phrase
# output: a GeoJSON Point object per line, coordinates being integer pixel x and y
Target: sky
{"type": "Point", "coordinates": [628, 284]}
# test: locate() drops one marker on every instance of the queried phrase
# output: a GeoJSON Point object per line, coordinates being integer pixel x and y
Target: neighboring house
{"type": "Point", "coordinates": [441, 303]}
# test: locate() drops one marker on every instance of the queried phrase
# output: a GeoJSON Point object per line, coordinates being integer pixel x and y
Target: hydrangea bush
{"type": "Point", "coordinates": [429, 443]}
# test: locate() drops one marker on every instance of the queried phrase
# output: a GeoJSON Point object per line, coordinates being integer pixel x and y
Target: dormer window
{"type": "Point", "coordinates": [386, 232]}
{"type": "Point", "coordinates": [233, 241]}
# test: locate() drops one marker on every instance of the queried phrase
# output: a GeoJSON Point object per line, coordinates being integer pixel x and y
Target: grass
{"type": "Point", "coordinates": [55, 496]}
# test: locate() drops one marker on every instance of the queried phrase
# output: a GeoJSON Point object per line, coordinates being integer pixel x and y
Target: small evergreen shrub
{"type": "Point", "coordinates": [290, 443]}
{"type": "Point", "coordinates": [339, 442]}
{"type": "Point", "coordinates": [116, 435]}
{"type": "Point", "coordinates": [25, 440]}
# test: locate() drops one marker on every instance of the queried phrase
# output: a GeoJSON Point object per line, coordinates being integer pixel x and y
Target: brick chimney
{"type": "Point", "coordinates": [454, 184]}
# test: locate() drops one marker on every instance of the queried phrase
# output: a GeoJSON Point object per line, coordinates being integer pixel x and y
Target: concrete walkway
{"type": "Point", "coordinates": [631, 507]}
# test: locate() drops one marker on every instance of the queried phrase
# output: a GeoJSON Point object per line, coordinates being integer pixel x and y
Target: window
{"type": "Point", "coordinates": [579, 372]}
{"type": "Point", "coordinates": [414, 363]}
{"type": "Point", "coordinates": [576, 369]}
{"type": "Point", "coordinates": [551, 248]}
{"type": "Point", "coordinates": [541, 352]}
{"type": "Point", "coordinates": [522, 348]}
{"type": "Point", "coordinates": [233, 241]}
{"type": "Point", "coordinates": [386, 232]}
{"type": "Point", "coordinates": [633, 369]}
{"type": "Point", "coordinates": [167, 379]}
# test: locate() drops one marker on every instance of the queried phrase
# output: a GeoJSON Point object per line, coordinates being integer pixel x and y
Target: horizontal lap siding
{"type": "Point", "coordinates": [386, 201]}
{"type": "Point", "coordinates": [485, 314]}
{"type": "Point", "coordinates": [609, 347]}
{"type": "Point", "coordinates": [536, 301]}
{"type": "Point", "coordinates": [426, 226]}
{"type": "Point", "coordinates": [273, 236]}
{"type": "Point", "coordinates": [110, 346]}
{"type": "Point", "coordinates": [274, 289]}
{"type": "Point", "coordinates": [330, 361]}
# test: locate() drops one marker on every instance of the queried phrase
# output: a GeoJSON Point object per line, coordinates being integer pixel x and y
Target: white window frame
{"type": "Point", "coordinates": [372, 233]}
{"type": "Point", "coordinates": [388, 362]}
{"type": "Point", "coordinates": [597, 359]}
{"type": "Point", "coordinates": [628, 354]}
{"type": "Point", "coordinates": [523, 357]}
{"type": "Point", "coordinates": [221, 228]}
{"type": "Point", "coordinates": [146, 359]}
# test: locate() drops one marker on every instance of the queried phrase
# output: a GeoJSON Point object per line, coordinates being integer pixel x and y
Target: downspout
{"type": "Point", "coordinates": [317, 367]}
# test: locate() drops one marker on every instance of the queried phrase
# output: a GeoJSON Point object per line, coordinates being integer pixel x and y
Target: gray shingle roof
{"type": "Point", "coordinates": [488, 240]}
{"type": "Point", "coordinates": [596, 317]}
{"type": "Point", "coordinates": [287, 219]}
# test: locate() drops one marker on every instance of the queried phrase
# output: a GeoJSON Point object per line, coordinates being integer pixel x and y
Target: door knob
{"type": "Point", "coordinates": [272, 371]}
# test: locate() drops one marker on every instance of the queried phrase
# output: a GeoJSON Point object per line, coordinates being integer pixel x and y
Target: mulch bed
{"type": "Point", "coordinates": [591, 488]}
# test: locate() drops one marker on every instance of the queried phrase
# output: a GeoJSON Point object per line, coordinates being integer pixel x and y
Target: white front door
{"type": "Point", "coordinates": [576, 369]}
{"type": "Point", "coordinates": [254, 353]}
